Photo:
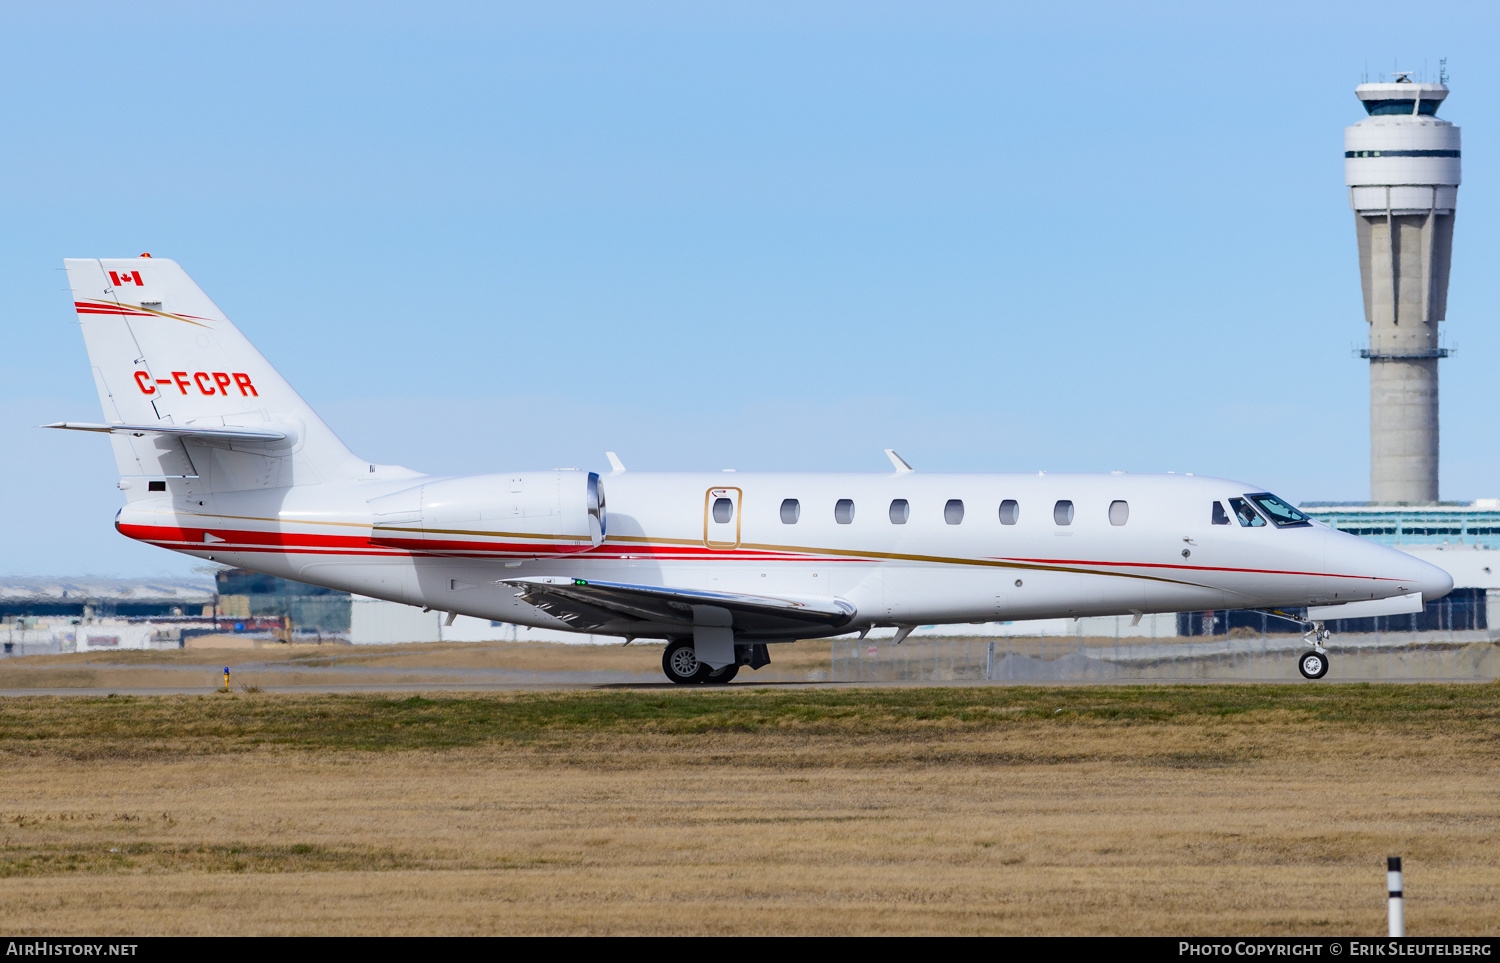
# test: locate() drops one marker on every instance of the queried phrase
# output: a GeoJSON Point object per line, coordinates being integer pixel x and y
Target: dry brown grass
{"type": "Point", "coordinates": [1167, 810]}
{"type": "Point", "coordinates": [275, 664]}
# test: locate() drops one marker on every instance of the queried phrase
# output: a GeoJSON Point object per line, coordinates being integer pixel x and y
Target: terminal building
{"type": "Point", "coordinates": [311, 608]}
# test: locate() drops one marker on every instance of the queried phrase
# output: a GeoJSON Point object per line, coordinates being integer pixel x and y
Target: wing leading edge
{"type": "Point", "coordinates": [654, 610]}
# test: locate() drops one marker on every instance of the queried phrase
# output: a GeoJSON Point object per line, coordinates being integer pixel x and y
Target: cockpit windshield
{"type": "Point", "coordinates": [1281, 514]}
{"type": "Point", "coordinates": [1249, 517]}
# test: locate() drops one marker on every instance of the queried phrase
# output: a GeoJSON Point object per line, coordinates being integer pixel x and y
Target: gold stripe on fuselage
{"type": "Point", "coordinates": [790, 550]}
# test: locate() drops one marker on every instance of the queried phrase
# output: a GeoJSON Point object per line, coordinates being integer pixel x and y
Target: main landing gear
{"type": "Point", "coordinates": [680, 663]}
{"type": "Point", "coordinates": [1314, 664]}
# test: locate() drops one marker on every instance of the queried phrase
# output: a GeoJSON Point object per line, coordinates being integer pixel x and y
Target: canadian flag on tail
{"type": "Point", "coordinates": [129, 277]}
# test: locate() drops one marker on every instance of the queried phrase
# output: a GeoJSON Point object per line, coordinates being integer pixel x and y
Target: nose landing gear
{"type": "Point", "coordinates": [1314, 664]}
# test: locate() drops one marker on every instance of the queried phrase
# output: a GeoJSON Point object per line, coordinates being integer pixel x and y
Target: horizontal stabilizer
{"type": "Point", "coordinates": [1400, 605]}
{"type": "Point", "coordinates": [585, 603]}
{"type": "Point", "coordinates": [179, 431]}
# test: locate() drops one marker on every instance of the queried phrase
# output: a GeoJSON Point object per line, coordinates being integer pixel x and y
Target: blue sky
{"type": "Point", "coordinates": [491, 237]}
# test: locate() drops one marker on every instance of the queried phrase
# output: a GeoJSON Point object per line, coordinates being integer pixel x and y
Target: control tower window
{"type": "Point", "coordinates": [1281, 514]}
{"type": "Point", "coordinates": [791, 510]}
{"type": "Point", "coordinates": [1010, 512]}
{"type": "Point", "coordinates": [900, 511]}
{"type": "Point", "coordinates": [1375, 108]}
{"type": "Point", "coordinates": [1221, 517]}
{"type": "Point", "coordinates": [953, 512]}
{"type": "Point", "coordinates": [843, 511]}
{"type": "Point", "coordinates": [1249, 517]}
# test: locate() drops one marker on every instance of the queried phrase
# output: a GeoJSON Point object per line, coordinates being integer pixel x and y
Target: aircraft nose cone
{"type": "Point", "coordinates": [1435, 582]}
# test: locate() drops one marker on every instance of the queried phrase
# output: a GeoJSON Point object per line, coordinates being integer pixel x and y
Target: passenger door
{"type": "Point", "coordinates": [721, 518]}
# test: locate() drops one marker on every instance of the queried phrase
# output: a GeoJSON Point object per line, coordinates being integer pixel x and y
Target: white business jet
{"type": "Point", "coordinates": [220, 459]}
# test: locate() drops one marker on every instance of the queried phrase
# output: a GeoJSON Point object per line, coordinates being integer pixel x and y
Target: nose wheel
{"type": "Point", "coordinates": [1314, 664]}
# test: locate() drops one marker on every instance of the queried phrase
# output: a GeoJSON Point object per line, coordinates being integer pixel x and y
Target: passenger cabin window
{"type": "Point", "coordinates": [1221, 517]}
{"type": "Point", "coordinates": [723, 510]}
{"type": "Point", "coordinates": [843, 511]}
{"type": "Point", "coordinates": [1062, 513]}
{"type": "Point", "coordinates": [1010, 510]}
{"type": "Point", "coordinates": [791, 510]}
{"type": "Point", "coordinates": [900, 511]}
{"type": "Point", "coordinates": [1281, 514]}
{"type": "Point", "coordinates": [1249, 517]}
{"type": "Point", "coordinates": [1119, 513]}
{"type": "Point", "coordinates": [953, 512]}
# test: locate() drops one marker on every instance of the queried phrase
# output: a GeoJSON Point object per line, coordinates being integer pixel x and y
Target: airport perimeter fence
{"type": "Point", "coordinates": [1388, 657]}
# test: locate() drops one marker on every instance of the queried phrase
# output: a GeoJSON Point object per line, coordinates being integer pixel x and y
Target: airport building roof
{"type": "Point", "coordinates": [1454, 523]}
{"type": "Point", "coordinates": [18, 588]}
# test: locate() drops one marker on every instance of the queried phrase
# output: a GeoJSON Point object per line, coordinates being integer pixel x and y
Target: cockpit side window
{"type": "Point", "coordinates": [1281, 514]}
{"type": "Point", "coordinates": [1249, 517]}
{"type": "Point", "coordinates": [1221, 517]}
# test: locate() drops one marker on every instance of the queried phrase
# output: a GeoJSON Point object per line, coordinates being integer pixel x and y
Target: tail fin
{"type": "Point", "coordinates": [165, 357]}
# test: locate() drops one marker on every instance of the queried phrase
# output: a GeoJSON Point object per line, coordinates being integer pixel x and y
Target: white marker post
{"type": "Point", "coordinates": [1393, 888]}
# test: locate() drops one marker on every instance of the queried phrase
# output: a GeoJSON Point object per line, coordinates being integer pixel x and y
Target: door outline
{"type": "Point", "coordinates": [708, 506]}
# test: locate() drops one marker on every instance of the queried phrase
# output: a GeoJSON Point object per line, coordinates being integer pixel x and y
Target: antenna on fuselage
{"type": "Point", "coordinates": [902, 468]}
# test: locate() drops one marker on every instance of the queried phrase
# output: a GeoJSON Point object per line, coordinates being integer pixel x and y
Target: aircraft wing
{"type": "Point", "coordinates": [618, 606]}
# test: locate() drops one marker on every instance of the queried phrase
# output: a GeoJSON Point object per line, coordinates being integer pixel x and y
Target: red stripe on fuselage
{"type": "Point", "coordinates": [1192, 568]}
{"type": "Point", "coordinates": [249, 540]}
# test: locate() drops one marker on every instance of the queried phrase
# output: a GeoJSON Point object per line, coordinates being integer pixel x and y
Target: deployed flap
{"type": "Point", "coordinates": [586, 603]}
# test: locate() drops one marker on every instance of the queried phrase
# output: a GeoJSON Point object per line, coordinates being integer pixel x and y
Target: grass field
{"type": "Point", "coordinates": [332, 664]}
{"type": "Point", "coordinates": [1135, 809]}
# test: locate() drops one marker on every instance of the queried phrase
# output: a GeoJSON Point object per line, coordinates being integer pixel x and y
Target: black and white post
{"type": "Point", "coordinates": [1393, 888]}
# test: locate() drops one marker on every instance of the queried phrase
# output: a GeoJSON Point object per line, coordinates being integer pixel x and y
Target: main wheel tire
{"type": "Point", "coordinates": [680, 663]}
{"type": "Point", "coordinates": [1313, 665]}
{"type": "Point", "coordinates": [723, 676]}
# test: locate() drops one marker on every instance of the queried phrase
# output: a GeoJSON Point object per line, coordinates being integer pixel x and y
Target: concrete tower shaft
{"type": "Point", "coordinates": [1401, 164]}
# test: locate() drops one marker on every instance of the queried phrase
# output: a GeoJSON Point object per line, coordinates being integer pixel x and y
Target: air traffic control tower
{"type": "Point", "coordinates": [1401, 164]}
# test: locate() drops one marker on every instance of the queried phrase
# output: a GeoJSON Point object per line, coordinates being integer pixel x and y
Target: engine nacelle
{"type": "Point", "coordinates": [523, 514]}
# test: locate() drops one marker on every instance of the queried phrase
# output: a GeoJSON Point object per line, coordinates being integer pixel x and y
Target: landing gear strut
{"type": "Point", "coordinates": [1314, 664]}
